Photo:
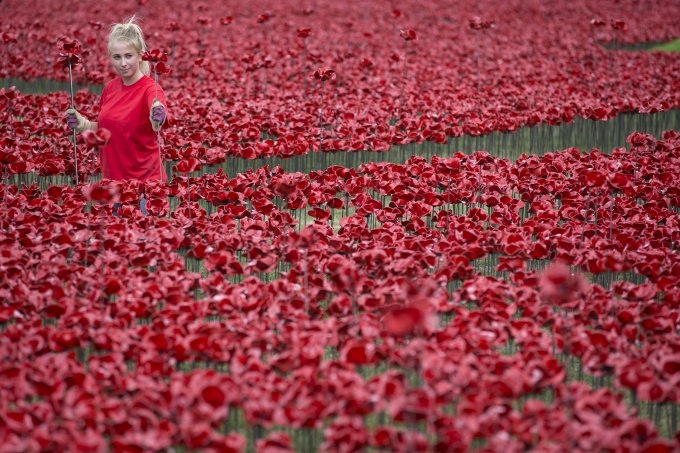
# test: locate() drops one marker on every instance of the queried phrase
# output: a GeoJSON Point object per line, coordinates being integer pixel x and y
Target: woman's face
{"type": "Point", "coordinates": [125, 60]}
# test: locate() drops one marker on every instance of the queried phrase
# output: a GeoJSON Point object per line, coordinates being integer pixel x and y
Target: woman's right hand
{"type": "Point", "coordinates": [75, 120]}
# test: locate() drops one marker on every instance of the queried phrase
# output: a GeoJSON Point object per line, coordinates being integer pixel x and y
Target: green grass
{"type": "Point", "coordinates": [672, 46]}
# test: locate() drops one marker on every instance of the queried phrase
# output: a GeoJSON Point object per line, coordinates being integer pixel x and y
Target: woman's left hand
{"type": "Point", "coordinates": [157, 115]}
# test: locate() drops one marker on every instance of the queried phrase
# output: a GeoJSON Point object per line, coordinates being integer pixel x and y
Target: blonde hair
{"type": "Point", "coordinates": [132, 34]}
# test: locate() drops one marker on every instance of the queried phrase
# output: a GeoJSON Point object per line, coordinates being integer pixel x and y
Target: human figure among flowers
{"type": "Point", "coordinates": [132, 108]}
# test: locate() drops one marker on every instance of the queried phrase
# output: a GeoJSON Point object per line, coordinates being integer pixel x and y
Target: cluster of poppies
{"type": "Point", "coordinates": [287, 80]}
{"type": "Point", "coordinates": [349, 307]}
{"type": "Point", "coordinates": [453, 303]}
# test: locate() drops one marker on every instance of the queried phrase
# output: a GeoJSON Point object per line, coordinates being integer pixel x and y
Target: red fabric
{"type": "Point", "coordinates": [132, 151]}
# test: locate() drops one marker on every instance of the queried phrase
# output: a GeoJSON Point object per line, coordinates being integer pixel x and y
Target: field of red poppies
{"type": "Point", "coordinates": [389, 226]}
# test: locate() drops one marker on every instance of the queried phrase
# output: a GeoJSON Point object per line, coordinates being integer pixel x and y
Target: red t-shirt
{"type": "Point", "coordinates": [133, 151]}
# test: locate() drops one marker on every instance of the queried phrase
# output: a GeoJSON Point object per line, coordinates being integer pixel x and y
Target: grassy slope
{"type": "Point", "coordinates": [672, 46]}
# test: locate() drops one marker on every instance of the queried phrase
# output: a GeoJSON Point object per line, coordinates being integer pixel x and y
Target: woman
{"type": "Point", "coordinates": [132, 108]}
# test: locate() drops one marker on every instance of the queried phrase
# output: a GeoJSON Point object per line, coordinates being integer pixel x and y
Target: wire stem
{"type": "Point", "coordinates": [75, 146]}
{"type": "Point", "coordinates": [158, 132]}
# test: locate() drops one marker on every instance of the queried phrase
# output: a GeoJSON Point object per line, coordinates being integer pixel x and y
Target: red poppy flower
{"type": "Point", "coordinates": [9, 93]}
{"type": "Point", "coordinates": [69, 53]}
{"type": "Point", "coordinates": [402, 321]}
{"type": "Point", "coordinates": [303, 32]}
{"type": "Point", "coordinates": [359, 353]}
{"type": "Point", "coordinates": [324, 74]}
{"type": "Point", "coordinates": [102, 192]}
{"type": "Point", "coordinates": [264, 17]}
{"type": "Point", "coordinates": [320, 214]}
{"type": "Point", "coordinates": [641, 139]}
{"type": "Point", "coordinates": [618, 24]}
{"type": "Point", "coordinates": [558, 285]}
{"type": "Point", "coordinates": [595, 178]}
{"type": "Point", "coordinates": [97, 138]}
{"type": "Point", "coordinates": [275, 442]}
{"type": "Point", "coordinates": [618, 180]}
{"type": "Point", "coordinates": [213, 395]}
{"type": "Point", "coordinates": [158, 60]}
{"type": "Point", "coordinates": [9, 37]}
{"type": "Point", "coordinates": [203, 20]}
{"type": "Point", "coordinates": [154, 56]}
{"type": "Point", "coordinates": [408, 35]}
{"type": "Point", "coordinates": [187, 165]}
{"type": "Point", "coordinates": [477, 23]}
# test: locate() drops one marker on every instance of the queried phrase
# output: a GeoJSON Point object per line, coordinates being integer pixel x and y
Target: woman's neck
{"type": "Point", "coordinates": [127, 81]}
